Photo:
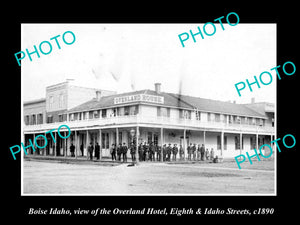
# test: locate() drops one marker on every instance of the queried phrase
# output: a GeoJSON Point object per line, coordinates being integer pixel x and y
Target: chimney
{"type": "Point", "coordinates": [252, 100]}
{"type": "Point", "coordinates": [157, 87]}
{"type": "Point", "coordinates": [98, 95]}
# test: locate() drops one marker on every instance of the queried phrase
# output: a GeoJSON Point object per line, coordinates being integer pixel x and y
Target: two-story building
{"type": "Point", "coordinates": [151, 116]}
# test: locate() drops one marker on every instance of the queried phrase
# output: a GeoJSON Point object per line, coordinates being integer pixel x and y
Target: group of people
{"type": "Point", "coordinates": [150, 152]}
{"type": "Point", "coordinates": [153, 152]}
{"type": "Point", "coordinates": [90, 150]}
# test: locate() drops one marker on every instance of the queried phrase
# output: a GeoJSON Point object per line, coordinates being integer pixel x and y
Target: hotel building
{"type": "Point", "coordinates": [102, 116]}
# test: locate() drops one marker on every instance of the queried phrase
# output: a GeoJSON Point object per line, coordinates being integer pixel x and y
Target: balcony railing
{"type": "Point", "coordinates": [146, 120]}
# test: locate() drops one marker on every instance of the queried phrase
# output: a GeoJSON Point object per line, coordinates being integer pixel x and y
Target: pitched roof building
{"type": "Point", "coordinates": [151, 116]}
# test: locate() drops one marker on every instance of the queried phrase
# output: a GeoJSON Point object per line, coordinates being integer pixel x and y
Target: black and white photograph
{"type": "Point", "coordinates": [145, 115]}
{"type": "Point", "coordinates": [150, 117]}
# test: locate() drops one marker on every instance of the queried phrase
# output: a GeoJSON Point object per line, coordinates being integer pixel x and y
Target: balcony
{"type": "Point", "coordinates": [166, 122]}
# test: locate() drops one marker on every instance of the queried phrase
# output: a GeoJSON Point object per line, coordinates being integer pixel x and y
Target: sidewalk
{"type": "Point", "coordinates": [105, 161]}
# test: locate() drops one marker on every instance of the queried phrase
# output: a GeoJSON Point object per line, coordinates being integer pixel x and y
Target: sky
{"type": "Point", "coordinates": [127, 57]}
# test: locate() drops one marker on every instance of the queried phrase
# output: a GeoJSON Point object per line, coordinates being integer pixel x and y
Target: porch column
{"type": "Point", "coordinates": [87, 144]}
{"type": "Point", "coordinates": [55, 144]}
{"type": "Point", "coordinates": [117, 136]}
{"type": "Point", "coordinates": [34, 152]}
{"type": "Point", "coordinates": [256, 141]}
{"type": "Point", "coordinates": [162, 143]}
{"type": "Point", "coordinates": [76, 144]}
{"type": "Point", "coordinates": [45, 149]}
{"type": "Point", "coordinates": [65, 145]}
{"type": "Point", "coordinates": [183, 144]}
{"type": "Point", "coordinates": [100, 143]}
{"type": "Point", "coordinates": [222, 142]}
{"type": "Point", "coordinates": [204, 134]}
{"type": "Point", "coordinates": [241, 143]}
{"type": "Point", "coordinates": [137, 145]}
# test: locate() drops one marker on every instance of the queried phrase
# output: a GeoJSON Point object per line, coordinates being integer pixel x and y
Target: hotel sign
{"type": "Point", "coordinates": [138, 98]}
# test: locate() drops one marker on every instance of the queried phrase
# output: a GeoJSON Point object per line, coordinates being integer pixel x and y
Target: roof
{"type": "Point", "coordinates": [216, 106]}
{"type": "Point", "coordinates": [173, 100]}
{"type": "Point", "coordinates": [34, 101]}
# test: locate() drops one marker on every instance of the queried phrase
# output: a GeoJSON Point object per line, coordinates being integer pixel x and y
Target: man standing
{"type": "Point", "coordinates": [132, 152]}
{"type": "Point", "coordinates": [189, 150]}
{"type": "Point", "coordinates": [158, 153]}
{"type": "Point", "coordinates": [72, 150]}
{"type": "Point", "coordinates": [169, 150]}
{"type": "Point", "coordinates": [181, 152]}
{"type": "Point", "coordinates": [81, 149]}
{"type": "Point", "coordinates": [194, 151]}
{"type": "Point", "coordinates": [202, 151]}
{"type": "Point", "coordinates": [175, 151]}
{"type": "Point", "coordinates": [124, 152]}
{"type": "Point", "coordinates": [198, 152]}
{"type": "Point", "coordinates": [113, 152]}
{"type": "Point", "coordinates": [119, 151]}
{"type": "Point", "coordinates": [97, 150]}
{"type": "Point", "coordinates": [90, 151]}
{"type": "Point", "coordinates": [164, 149]}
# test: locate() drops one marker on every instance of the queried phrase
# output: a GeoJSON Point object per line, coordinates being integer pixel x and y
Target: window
{"type": "Point", "coordinates": [208, 117]}
{"type": "Point", "coordinates": [184, 114]}
{"type": "Point", "coordinates": [103, 113]}
{"type": "Point", "coordinates": [33, 120]}
{"type": "Point", "coordinates": [50, 119]}
{"type": "Point", "coordinates": [126, 110]}
{"type": "Point", "coordinates": [149, 137]}
{"type": "Point", "coordinates": [61, 101]}
{"type": "Point", "coordinates": [103, 140]}
{"type": "Point", "coordinates": [252, 142]}
{"type": "Point", "coordinates": [27, 120]}
{"type": "Point", "coordinates": [51, 100]}
{"type": "Point", "coordinates": [96, 114]}
{"type": "Point", "coordinates": [107, 140]}
{"type": "Point", "coordinates": [162, 111]}
{"type": "Point", "coordinates": [217, 117]}
{"type": "Point", "coordinates": [219, 142]}
{"type": "Point", "coordinates": [91, 115]}
{"type": "Point", "coordinates": [60, 117]}
{"type": "Point", "coordinates": [133, 110]}
{"type": "Point", "coordinates": [155, 138]}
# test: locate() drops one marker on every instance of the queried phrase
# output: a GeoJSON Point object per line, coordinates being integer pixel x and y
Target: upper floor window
{"type": "Point", "coordinates": [50, 119]}
{"type": "Point", "coordinates": [162, 111]}
{"type": "Point", "coordinates": [51, 101]}
{"type": "Point", "coordinates": [184, 114]}
{"type": "Point", "coordinates": [103, 113]}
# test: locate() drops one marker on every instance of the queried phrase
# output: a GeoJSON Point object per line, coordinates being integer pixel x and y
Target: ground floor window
{"type": "Point", "coordinates": [219, 142]}
{"type": "Point", "coordinates": [252, 142]}
{"type": "Point", "coordinates": [237, 143]}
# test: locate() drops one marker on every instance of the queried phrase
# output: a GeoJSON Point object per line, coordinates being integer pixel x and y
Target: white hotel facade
{"type": "Point", "coordinates": [106, 117]}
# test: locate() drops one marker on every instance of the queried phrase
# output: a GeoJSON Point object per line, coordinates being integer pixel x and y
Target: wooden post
{"type": "Point", "coordinates": [117, 137]}
{"type": "Point", "coordinates": [241, 142]}
{"type": "Point", "coordinates": [256, 141]}
{"type": "Point", "coordinates": [100, 143]}
{"type": "Point", "coordinates": [55, 145]}
{"type": "Point", "coordinates": [184, 144]}
{"type": "Point", "coordinates": [137, 145]}
{"type": "Point", "coordinates": [87, 144]}
{"type": "Point", "coordinates": [65, 145]}
{"type": "Point", "coordinates": [76, 144]}
{"type": "Point", "coordinates": [162, 143]}
{"type": "Point", "coordinates": [222, 142]}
